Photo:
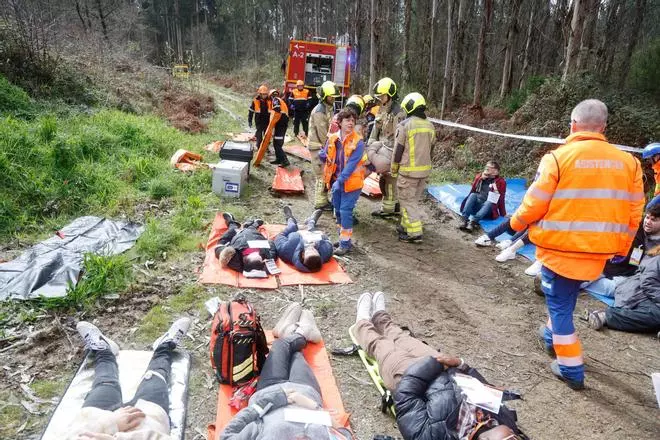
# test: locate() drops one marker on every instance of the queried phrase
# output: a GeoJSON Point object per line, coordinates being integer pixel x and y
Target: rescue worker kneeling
{"type": "Point", "coordinates": [304, 249]}
{"type": "Point", "coordinates": [344, 175]}
{"type": "Point", "coordinates": [234, 249]}
{"type": "Point", "coordinates": [411, 165]}
{"type": "Point", "coordinates": [428, 401]}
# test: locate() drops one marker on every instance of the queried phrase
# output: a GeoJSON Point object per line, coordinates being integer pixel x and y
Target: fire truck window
{"type": "Point", "coordinates": [318, 68]}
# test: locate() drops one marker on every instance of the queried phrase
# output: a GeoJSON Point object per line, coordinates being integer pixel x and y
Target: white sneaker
{"type": "Point", "coordinates": [506, 255]}
{"type": "Point", "coordinates": [308, 328]}
{"type": "Point", "coordinates": [94, 339]}
{"type": "Point", "coordinates": [534, 269]}
{"type": "Point", "coordinates": [175, 333]}
{"type": "Point", "coordinates": [363, 307]}
{"type": "Point", "coordinates": [290, 316]}
{"type": "Point", "coordinates": [377, 302]}
{"type": "Point", "coordinates": [483, 241]}
{"type": "Point", "coordinates": [503, 244]}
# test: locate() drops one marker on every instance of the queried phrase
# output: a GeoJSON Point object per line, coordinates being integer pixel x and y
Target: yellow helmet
{"type": "Point", "coordinates": [262, 89]}
{"type": "Point", "coordinates": [413, 101]}
{"type": "Point", "coordinates": [326, 89]}
{"type": "Point", "coordinates": [368, 99]}
{"type": "Point", "coordinates": [357, 101]}
{"type": "Point", "coordinates": [385, 86]}
{"type": "Point", "coordinates": [300, 83]}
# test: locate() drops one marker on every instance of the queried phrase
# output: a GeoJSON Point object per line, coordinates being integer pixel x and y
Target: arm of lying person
{"type": "Point", "coordinates": [325, 249]}
{"type": "Point", "coordinates": [243, 425]}
{"type": "Point", "coordinates": [538, 196]}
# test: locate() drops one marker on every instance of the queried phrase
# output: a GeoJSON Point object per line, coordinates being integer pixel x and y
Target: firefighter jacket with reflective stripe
{"type": "Point", "coordinates": [319, 123]}
{"type": "Point", "coordinates": [584, 206]}
{"type": "Point", "coordinates": [260, 109]}
{"type": "Point", "coordinates": [300, 99]}
{"type": "Point", "coordinates": [352, 150]}
{"type": "Point", "coordinates": [387, 119]}
{"type": "Point", "coordinates": [414, 140]}
{"type": "Point", "coordinates": [279, 105]}
{"type": "Point", "coordinates": [656, 173]}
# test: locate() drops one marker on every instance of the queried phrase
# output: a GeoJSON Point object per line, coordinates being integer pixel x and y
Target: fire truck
{"type": "Point", "coordinates": [317, 61]}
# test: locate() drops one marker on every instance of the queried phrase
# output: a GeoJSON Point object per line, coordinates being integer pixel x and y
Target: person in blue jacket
{"type": "Point", "coordinates": [305, 250]}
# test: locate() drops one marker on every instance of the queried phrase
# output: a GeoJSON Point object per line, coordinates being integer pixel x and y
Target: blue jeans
{"type": "Point", "coordinates": [343, 204]}
{"type": "Point", "coordinates": [561, 296]}
{"type": "Point", "coordinates": [478, 210]}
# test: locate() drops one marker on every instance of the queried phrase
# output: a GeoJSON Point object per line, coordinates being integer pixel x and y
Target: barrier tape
{"type": "Point", "coordinates": [547, 140]}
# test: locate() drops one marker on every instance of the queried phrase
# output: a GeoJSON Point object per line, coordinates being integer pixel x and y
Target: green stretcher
{"type": "Point", "coordinates": [387, 402]}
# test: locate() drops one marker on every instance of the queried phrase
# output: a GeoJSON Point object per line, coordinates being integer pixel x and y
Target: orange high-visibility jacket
{"type": "Point", "coordinates": [356, 179]}
{"type": "Point", "coordinates": [584, 206]}
{"type": "Point", "coordinates": [656, 172]}
{"type": "Point", "coordinates": [300, 96]}
{"type": "Point", "coordinates": [256, 105]}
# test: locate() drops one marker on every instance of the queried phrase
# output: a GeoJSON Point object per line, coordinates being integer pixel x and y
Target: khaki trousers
{"type": "Point", "coordinates": [410, 192]}
{"type": "Point", "coordinates": [320, 196]}
{"type": "Point", "coordinates": [393, 349]}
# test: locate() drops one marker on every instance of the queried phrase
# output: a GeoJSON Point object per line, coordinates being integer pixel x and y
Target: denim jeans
{"type": "Point", "coordinates": [478, 210]}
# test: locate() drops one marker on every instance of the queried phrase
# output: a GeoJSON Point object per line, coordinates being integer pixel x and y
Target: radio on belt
{"type": "Point", "coordinates": [229, 178]}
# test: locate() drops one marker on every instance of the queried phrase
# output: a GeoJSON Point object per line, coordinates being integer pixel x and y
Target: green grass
{"type": "Point", "coordinates": [155, 323]}
{"type": "Point", "coordinates": [47, 389]}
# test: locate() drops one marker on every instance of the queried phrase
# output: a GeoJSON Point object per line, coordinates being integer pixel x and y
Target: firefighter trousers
{"type": "Point", "coordinates": [388, 188]}
{"type": "Point", "coordinates": [410, 191]}
{"type": "Point", "coordinates": [278, 139]}
{"type": "Point", "coordinates": [320, 194]}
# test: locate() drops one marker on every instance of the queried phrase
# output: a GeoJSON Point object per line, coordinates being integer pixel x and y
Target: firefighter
{"type": "Point", "coordinates": [652, 152]}
{"type": "Point", "coordinates": [300, 99]}
{"type": "Point", "coordinates": [260, 109]}
{"type": "Point", "coordinates": [356, 105]}
{"type": "Point", "coordinates": [317, 136]}
{"type": "Point", "coordinates": [411, 162]}
{"type": "Point", "coordinates": [279, 107]}
{"type": "Point", "coordinates": [370, 111]}
{"type": "Point", "coordinates": [583, 209]}
{"type": "Point", "coordinates": [381, 143]}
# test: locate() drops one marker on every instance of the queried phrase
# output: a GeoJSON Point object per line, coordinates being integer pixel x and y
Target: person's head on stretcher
{"type": "Point", "coordinates": [311, 258]}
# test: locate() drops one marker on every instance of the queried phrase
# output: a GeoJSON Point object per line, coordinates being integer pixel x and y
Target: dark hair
{"type": "Point", "coordinates": [353, 108]}
{"type": "Point", "coordinates": [654, 210]}
{"type": "Point", "coordinates": [249, 265]}
{"type": "Point", "coordinates": [345, 114]}
{"type": "Point", "coordinates": [313, 262]}
{"type": "Point", "coordinates": [493, 164]}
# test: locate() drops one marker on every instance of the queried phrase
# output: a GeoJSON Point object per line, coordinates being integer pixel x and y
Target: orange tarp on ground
{"type": "Point", "coordinates": [317, 358]}
{"type": "Point", "coordinates": [371, 186]}
{"type": "Point", "coordinates": [298, 151]}
{"type": "Point", "coordinates": [212, 273]}
{"type": "Point", "coordinates": [185, 160]}
{"type": "Point", "coordinates": [288, 180]}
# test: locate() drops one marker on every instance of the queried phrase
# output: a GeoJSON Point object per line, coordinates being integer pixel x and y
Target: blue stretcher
{"type": "Point", "coordinates": [452, 195]}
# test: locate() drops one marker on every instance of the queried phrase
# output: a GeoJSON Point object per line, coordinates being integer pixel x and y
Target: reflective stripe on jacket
{"type": "Point", "coordinates": [300, 96]}
{"type": "Point", "coordinates": [279, 105]}
{"type": "Point", "coordinates": [387, 119]}
{"type": "Point", "coordinates": [417, 136]}
{"type": "Point", "coordinates": [585, 204]}
{"type": "Point", "coordinates": [355, 180]}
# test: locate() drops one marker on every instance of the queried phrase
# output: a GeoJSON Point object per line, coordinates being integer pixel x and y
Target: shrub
{"type": "Point", "coordinates": [645, 70]}
{"type": "Point", "coordinates": [13, 99]}
{"type": "Point", "coordinates": [160, 188]}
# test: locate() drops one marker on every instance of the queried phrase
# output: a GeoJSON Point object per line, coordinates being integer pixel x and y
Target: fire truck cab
{"type": "Point", "coordinates": [315, 62]}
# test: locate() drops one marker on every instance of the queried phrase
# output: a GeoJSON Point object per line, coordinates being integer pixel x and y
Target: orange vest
{"type": "Point", "coordinates": [656, 172]}
{"type": "Point", "coordinates": [283, 107]}
{"type": "Point", "coordinates": [256, 103]}
{"type": "Point", "coordinates": [300, 95]}
{"type": "Point", "coordinates": [585, 205]}
{"type": "Point", "coordinates": [355, 180]}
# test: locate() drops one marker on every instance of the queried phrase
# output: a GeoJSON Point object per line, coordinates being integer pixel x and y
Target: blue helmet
{"type": "Point", "coordinates": [651, 150]}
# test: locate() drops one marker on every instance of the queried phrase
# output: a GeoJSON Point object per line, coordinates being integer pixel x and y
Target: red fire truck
{"type": "Point", "coordinates": [315, 62]}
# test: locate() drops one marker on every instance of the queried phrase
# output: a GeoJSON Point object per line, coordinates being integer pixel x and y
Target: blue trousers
{"type": "Point", "coordinates": [343, 204]}
{"type": "Point", "coordinates": [561, 296]}
{"type": "Point", "coordinates": [478, 210]}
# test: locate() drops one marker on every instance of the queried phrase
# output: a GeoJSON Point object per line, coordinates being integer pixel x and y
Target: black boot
{"type": "Point", "coordinates": [288, 214]}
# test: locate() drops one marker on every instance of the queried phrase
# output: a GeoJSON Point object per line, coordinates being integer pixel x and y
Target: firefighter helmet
{"type": "Point", "coordinates": [385, 86]}
{"type": "Point", "coordinates": [651, 150]}
{"type": "Point", "coordinates": [300, 83]}
{"type": "Point", "coordinates": [357, 103]}
{"type": "Point", "coordinates": [273, 92]}
{"type": "Point", "coordinates": [413, 101]}
{"type": "Point", "coordinates": [326, 89]}
{"type": "Point", "coordinates": [262, 89]}
{"type": "Point", "coordinates": [368, 99]}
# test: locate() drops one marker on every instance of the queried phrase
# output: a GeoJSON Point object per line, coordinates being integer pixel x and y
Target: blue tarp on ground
{"type": "Point", "coordinates": [452, 195]}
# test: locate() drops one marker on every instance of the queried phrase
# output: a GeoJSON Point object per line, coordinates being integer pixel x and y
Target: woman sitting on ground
{"type": "Point", "coordinates": [104, 416]}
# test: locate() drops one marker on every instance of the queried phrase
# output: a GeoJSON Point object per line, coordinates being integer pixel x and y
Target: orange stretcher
{"type": "Point", "coordinates": [288, 180]}
{"type": "Point", "coordinates": [212, 273]}
{"type": "Point", "coordinates": [298, 151]}
{"type": "Point", "coordinates": [268, 134]}
{"type": "Point", "coordinates": [371, 186]}
{"type": "Point", "coordinates": [185, 160]}
{"type": "Point", "coordinates": [317, 358]}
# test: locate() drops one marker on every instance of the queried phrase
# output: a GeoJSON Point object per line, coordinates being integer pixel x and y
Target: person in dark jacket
{"type": "Point", "coordinates": [429, 405]}
{"type": "Point", "coordinates": [479, 204]}
{"type": "Point", "coordinates": [260, 110]}
{"type": "Point", "coordinates": [305, 250]}
{"type": "Point", "coordinates": [234, 249]}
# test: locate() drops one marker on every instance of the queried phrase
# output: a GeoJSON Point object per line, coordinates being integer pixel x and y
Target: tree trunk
{"type": "Point", "coordinates": [372, 44]}
{"type": "Point", "coordinates": [432, 66]}
{"type": "Point", "coordinates": [575, 37]}
{"type": "Point", "coordinates": [512, 31]}
{"type": "Point", "coordinates": [528, 43]}
{"type": "Point", "coordinates": [486, 14]}
{"type": "Point", "coordinates": [456, 78]}
{"type": "Point", "coordinates": [405, 71]}
{"type": "Point", "coordinates": [640, 9]}
{"type": "Point", "coordinates": [448, 56]}
{"type": "Point", "coordinates": [79, 12]}
{"type": "Point", "coordinates": [605, 53]}
{"type": "Point", "coordinates": [104, 26]}
{"type": "Point", "coordinates": [587, 42]}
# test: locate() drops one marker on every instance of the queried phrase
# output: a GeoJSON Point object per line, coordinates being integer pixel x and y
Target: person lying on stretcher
{"type": "Point", "coordinates": [245, 249]}
{"type": "Point", "coordinates": [103, 415]}
{"type": "Point", "coordinates": [308, 249]}
{"type": "Point", "coordinates": [428, 402]}
{"type": "Point", "coordinates": [286, 383]}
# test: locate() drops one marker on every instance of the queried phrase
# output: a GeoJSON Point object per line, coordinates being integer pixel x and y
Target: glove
{"type": "Point", "coordinates": [394, 169]}
{"type": "Point", "coordinates": [336, 186]}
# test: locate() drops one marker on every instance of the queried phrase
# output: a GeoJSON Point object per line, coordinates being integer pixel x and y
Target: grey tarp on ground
{"type": "Point", "coordinates": [47, 268]}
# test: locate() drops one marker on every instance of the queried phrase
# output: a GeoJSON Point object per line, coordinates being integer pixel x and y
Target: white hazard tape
{"type": "Point", "coordinates": [547, 140]}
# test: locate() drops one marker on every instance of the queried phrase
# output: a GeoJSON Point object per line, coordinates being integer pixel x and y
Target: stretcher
{"type": "Point", "coordinates": [288, 181]}
{"type": "Point", "coordinates": [298, 151]}
{"type": "Point", "coordinates": [212, 273]}
{"type": "Point", "coordinates": [132, 366]}
{"type": "Point", "coordinates": [371, 186]}
{"type": "Point", "coordinates": [317, 358]}
{"type": "Point", "coordinates": [268, 134]}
